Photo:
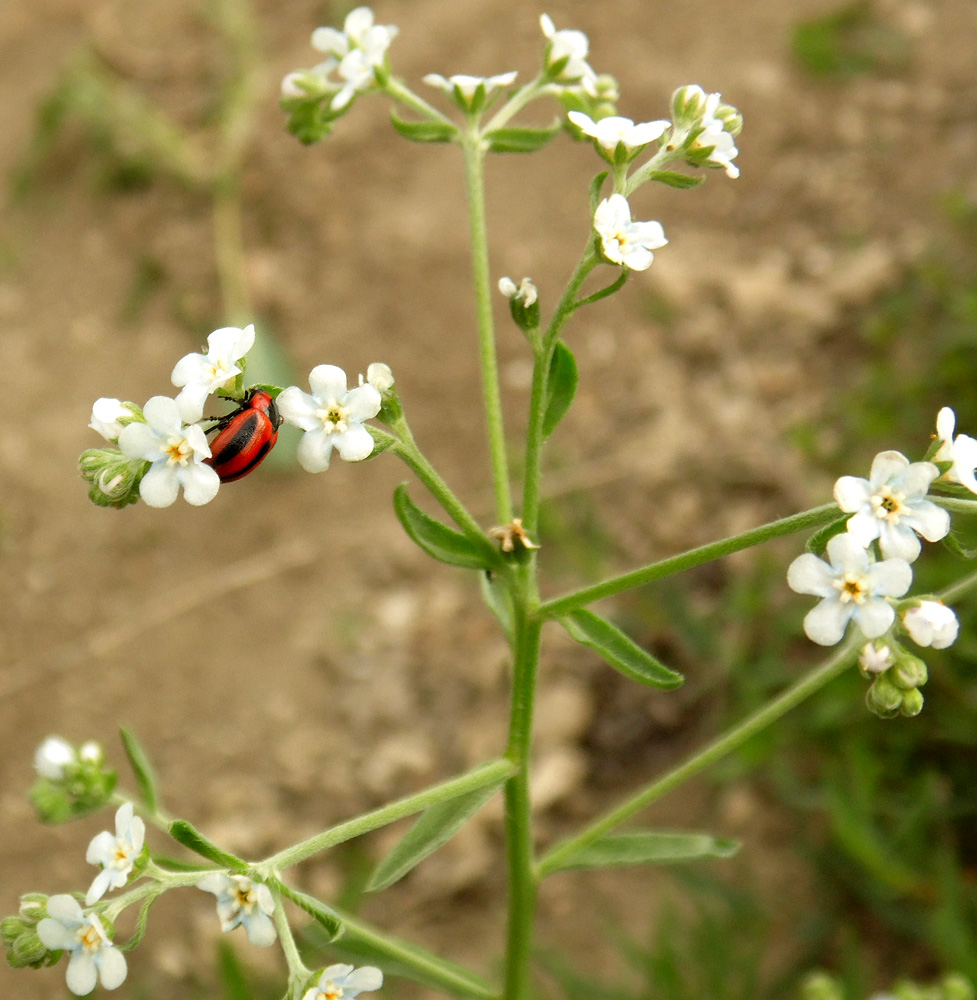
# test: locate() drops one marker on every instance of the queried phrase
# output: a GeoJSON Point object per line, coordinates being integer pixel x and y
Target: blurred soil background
{"type": "Point", "coordinates": [289, 658]}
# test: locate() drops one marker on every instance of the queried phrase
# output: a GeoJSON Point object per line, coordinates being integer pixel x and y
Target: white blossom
{"type": "Point", "coordinates": [572, 46]}
{"type": "Point", "coordinates": [851, 587]}
{"type": "Point", "coordinates": [242, 902]}
{"type": "Point", "coordinates": [467, 86]}
{"type": "Point", "coordinates": [358, 51]}
{"type": "Point", "coordinates": [53, 756]}
{"type": "Point", "coordinates": [379, 376]}
{"type": "Point", "coordinates": [891, 505]}
{"type": "Point", "coordinates": [713, 130]}
{"type": "Point", "coordinates": [960, 450]}
{"type": "Point", "coordinates": [525, 293]}
{"type": "Point", "coordinates": [623, 241]}
{"type": "Point", "coordinates": [115, 853]}
{"type": "Point", "coordinates": [610, 131]}
{"type": "Point", "coordinates": [202, 374]}
{"type": "Point", "coordinates": [93, 956]}
{"type": "Point", "coordinates": [875, 658]}
{"type": "Point", "coordinates": [177, 453]}
{"type": "Point", "coordinates": [343, 982]}
{"type": "Point", "coordinates": [931, 623]}
{"type": "Point", "coordinates": [107, 414]}
{"type": "Point", "coordinates": [331, 417]}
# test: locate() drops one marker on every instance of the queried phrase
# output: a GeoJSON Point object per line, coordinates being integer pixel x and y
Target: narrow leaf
{"type": "Point", "coordinates": [331, 922]}
{"type": "Point", "coordinates": [189, 836]}
{"type": "Point", "coordinates": [561, 386]}
{"type": "Point", "coordinates": [622, 653]}
{"type": "Point", "coordinates": [142, 768]}
{"type": "Point", "coordinates": [424, 131]}
{"type": "Point", "coordinates": [604, 292]}
{"type": "Point", "coordinates": [650, 848]}
{"type": "Point", "coordinates": [520, 140]}
{"type": "Point", "coordinates": [595, 185]}
{"type": "Point", "coordinates": [676, 180]}
{"type": "Point", "coordinates": [435, 827]}
{"type": "Point", "coordinates": [819, 540]}
{"type": "Point", "coordinates": [953, 543]}
{"type": "Point", "coordinates": [499, 600]}
{"type": "Point", "coordinates": [438, 540]}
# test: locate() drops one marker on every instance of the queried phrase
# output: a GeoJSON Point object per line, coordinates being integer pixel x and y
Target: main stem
{"type": "Point", "coordinates": [486, 331]}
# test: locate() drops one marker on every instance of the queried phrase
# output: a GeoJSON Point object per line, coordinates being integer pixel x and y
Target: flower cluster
{"type": "Point", "coordinates": [868, 567]}
{"type": "Point", "coordinates": [71, 782]}
{"type": "Point", "coordinates": [162, 447]}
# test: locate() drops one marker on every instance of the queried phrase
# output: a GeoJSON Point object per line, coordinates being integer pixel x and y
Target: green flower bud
{"type": "Point", "coordinates": [28, 950]}
{"type": "Point", "coordinates": [909, 672]}
{"type": "Point", "coordinates": [688, 104]}
{"type": "Point", "coordinates": [33, 907]}
{"type": "Point", "coordinates": [11, 928]}
{"type": "Point", "coordinates": [114, 477]}
{"type": "Point", "coordinates": [883, 698]}
{"type": "Point", "coordinates": [912, 703]}
{"type": "Point", "coordinates": [820, 986]}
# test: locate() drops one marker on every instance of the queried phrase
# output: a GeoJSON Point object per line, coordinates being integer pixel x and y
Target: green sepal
{"type": "Point", "coordinates": [675, 179]}
{"type": "Point", "coordinates": [308, 120]}
{"type": "Point", "coordinates": [142, 768]}
{"type": "Point", "coordinates": [649, 848]}
{"type": "Point", "coordinates": [818, 542]}
{"type": "Point", "coordinates": [185, 833]}
{"type": "Point", "coordinates": [434, 828]}
{"type": "Point", "coordinates": [594, 193]}
{"type": "Point", "coordinates": [953, 543]}
{"type": "Point", "coordinates": [520, 140]}
{"type": "Point", "coordinates": [617, 284]}
{"type": "Point", "coordinates": [438, 540]}
{"type": "Point", "coordinates": [424, 131]}
{"type": "Point", "coordinates": [141, 921]}
{"type": "Point", "coordinates": [619, 651]}
{"type": "Point", "coordinates": [328, 919]}
{"type": "Point", "coordinates": [561, 387]}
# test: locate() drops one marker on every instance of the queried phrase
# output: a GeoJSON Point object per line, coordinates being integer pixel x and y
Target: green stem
{"type": "Point", "coordinates": [518, 817]}
{"type": "Point", "coordinates": [399, 92]}
{"type": "Point", "coordinates": [715, 751]}
{"type": "Point", "coordinates": [427, 968]}
{"type": "Point", "coordinates": [298, 972]}
{"type": "Point", "coordinates": [686, 560]}
{"type": "Point", "coordinates": [483, 775]}
{"type": "Point", "coordinates": [474, 159]}
{"type": "Point", "coordinates": [515, 104]}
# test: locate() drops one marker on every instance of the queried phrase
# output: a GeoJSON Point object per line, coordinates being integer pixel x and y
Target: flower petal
{"type": "Point", "coordinates": [65, 908]}
{"type": "Point", "coordinates": [363, 402]}
{"type": "Point", "coordinates": [364, 980]}
{"type": "Point", "coordinates": [328, 383]}
{"type": "Point", "coordinates": [851, 493]}
{"type": "Point", "coordinates": [808, 574]}
{"type": "Point", "coordinates": [260, 930]}
{"type": "Point", "coordinates": [54, 934]}
{"type": "Point", "coordinates": [355, 444]}
{"type": "Point", "coordinates": [82, 974]}
{"type": "Point", "coordinates": [890, 578]}
{"type": "Point", "coordinates": [112, 968]}
{"type": "Point", "coordinates": [200, 483]}
{"type": "Point", "coordinates": [160, 486]}
{"type": "Point", "coordinates": [825, 623]}
{"type": "Point", "coordinates": [315, 450]}
{"type": "Point", "coordinates": [874, 618]}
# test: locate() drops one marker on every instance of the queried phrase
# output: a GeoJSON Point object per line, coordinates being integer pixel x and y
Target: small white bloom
{"type": "Point", "coordinates": [891, 505]}
{"type": "Point", "coordinates": [875, 658]}
{"type": "Point", "coordinates": [91, 752]}
{"type": "Point", "coordinates": [343, 982]}
{"type": "Point", "coordinates": [525, 293]}
{"type": "Point", "coordinates": [106, 416]}
{"type": "Point", "coordinates": [932, 623]}
{"type": "Point", "coordinates": [850, 586]}
{"type": "Point", "coordinates": [613, 130]}
{"type": "Point", "coordinates": [53, 756]}
{"type": "Point", "coordinates": [359, 49]}
{"type": "Point", "coordinates": [713, 134]}
{"type": "Point", "coordinates": [116, 854]}
{"type": "Point", "coordinates": [93, 956]}
{"type": "Point", "coordinates": [960, 450]}
{"type": "Point", "coordinates": [572, 46]}
{"type": "Point", "coordinates": [243, 903]}
{"type": "Point", "coordinates": [331, 417]}
{"type": "Point", "coordinates": [202, 374]}
{"type": "Point", "coordinates": [623, 241]}
{"type": "Point", "coordinates": [468, 86]}
{"type": "Point", "coordinates": [379, 376]}
{"type": "Point", "coordinates": [177, 453]}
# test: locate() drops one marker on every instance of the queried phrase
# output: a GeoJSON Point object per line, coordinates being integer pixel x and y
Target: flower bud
{"type": "Point", "coordinates": [27, 950]}
{"type": "Point", "coordinates": [114, 477]}
{"type": "Point", "coordinates": [874, 659]}
{"type": "Point", "coordinates": [523, 302]}
{"type": "Point", "coordinates": [70, 783]}
{"type": "Point", "coordinates": [10, 929]}
{"type": "Point", "coordinates": [883, 698]}
{"type": "Point", "coordinates": [688, 104]}
{"type": "Point", "coordinates": [910, 672]}
{"type": "Point", "coordinates": [912, 703]}
{"type": "Point", "coordinates": [380, 376]}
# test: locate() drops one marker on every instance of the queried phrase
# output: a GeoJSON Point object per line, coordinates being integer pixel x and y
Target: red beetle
{"type": "Point", "coordinates": [245, 436]}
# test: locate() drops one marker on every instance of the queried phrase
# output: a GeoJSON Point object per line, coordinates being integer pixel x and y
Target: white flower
{"type": "Point", "coordinates": [875, 658]}
{"type": "Point", "coordinates": [360, 48]}
{"type": "Point", "coordinates": [572, 46]}
{"type": "Point", "coordinates": [613, 130]}
{"type": "Point", "coordinates": [243, 903]}
{"type": "Point", "coordinates": [713, 134]}
{"type": "Point", "coordinates": [177, 452]}
{"type": "Point", "coordinates": [93, 956]}
{"type": "Point", "coordinates": [961, 451]}
{"type": "Point", "coordinates": [53, 756]}
{"type": "Point", "coordinates": [467, 86]}
{"type": "Point", "coordinates": [379, 376]}
{"type": "Point", "coordinates": [851, 587]}
{"type": "Point", "coordinates": [91, 752]}
{"type": "Point", "coordinates": [525, 293]}
{"type": "Point", "coordinates": [202, 374]}
{"type": "Point", "coordinates": [343, 982]}
{"type": "Point", "coordinates": [623, 241]}
{"type": "Point", "coordinates": [931, 623]}
{"type": "Point", "coordinates": [331, 417]}
{"type": "Point", "coordinates": [890, 505]}
{"type": "Point", "coordinates": [106, 416]}
{"type": "Point", "coordinates": [116, 854]}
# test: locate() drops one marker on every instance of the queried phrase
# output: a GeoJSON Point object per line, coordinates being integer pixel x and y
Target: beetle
{"type": "Point", "coordinates": [245, 436]}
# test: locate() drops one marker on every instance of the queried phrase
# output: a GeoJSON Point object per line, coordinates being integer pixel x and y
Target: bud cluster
{"type": "Point", "coordinates": [70, 782]}
{"type": "Point", "coordinates": [896, 677]}
{"type": "Point", "coordinates": [19, 934]}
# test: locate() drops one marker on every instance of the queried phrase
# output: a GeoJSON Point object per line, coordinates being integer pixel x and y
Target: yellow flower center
{"type": "Point", "coordinates": [889, 505]}
{"type": "Point", "coordinates": [851, 588]}
{"type": "Point", "coordinates": [335, 418]}
{"type": "Point", "coordinates": [178, 450]}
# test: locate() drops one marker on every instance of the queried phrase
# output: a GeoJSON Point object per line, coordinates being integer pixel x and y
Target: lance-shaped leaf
{"type": "Point", "coordinates": [188, 835]}
{"type": "Point", "coordinates": [331, 922]}
{"type": "Point", "coordinates": [435, 827]}
{"type": "Point", "coordinates": [676, 180]}
{"type": "Point", "coordinates": [142, 768]}
{"type": "Point", "coordinates": [953, 543]}
{"type": "Point", "coordinates": [438, 540]}
{"type": "Point", "coordinates": [622, 653]}
{"type": "Point", "coordinates": [818, 542]}
{"type": "Point", "coordinates": [594, 193]}
{"type": "Point", "coordinates": [649, 848]}
{"type": "Point", "coordinates": [520, 140]}
{"type": "Point", "coordinates": [424, 131]}
{"type": "Point", "coordinates": [561, 386]}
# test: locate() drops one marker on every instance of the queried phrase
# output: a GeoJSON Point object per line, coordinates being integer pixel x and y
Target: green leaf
{"type": "Point", "coordinates": [649, 848]}
{"type": "Point", "coordinates": [232, 975]}
{"type": "Point", "coordinates": [424, 131]}
{"type": "Point", "coordinates": [610, 289]}
{"type": "Point", "coordinates": [520, 140]}
{"type": "Point", "coordinates": [674, 179]}
{"type": "Point", "coordinates": [438, 540]}
{"type": "Point", "coordinates": [141, 922]}
{"type": "Point", "coordinates": [561, 386]}
{"type": "Point", "coordinates": [142, 768]}
{"type": "Point", "coordinates": [595, 185]}
{"type": "Point", "coordinates": [622, 653]}
{"type": "Point", "coordinates": [819, 540]}
{"type": "Point", "coordinates": [331, 922]}
{"type": "Point", "coordinates": [186, 834]}
{"type": "Point", "coordinates": [435, 827]}
{"type": "Point", "coordinates": [953, 543]}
